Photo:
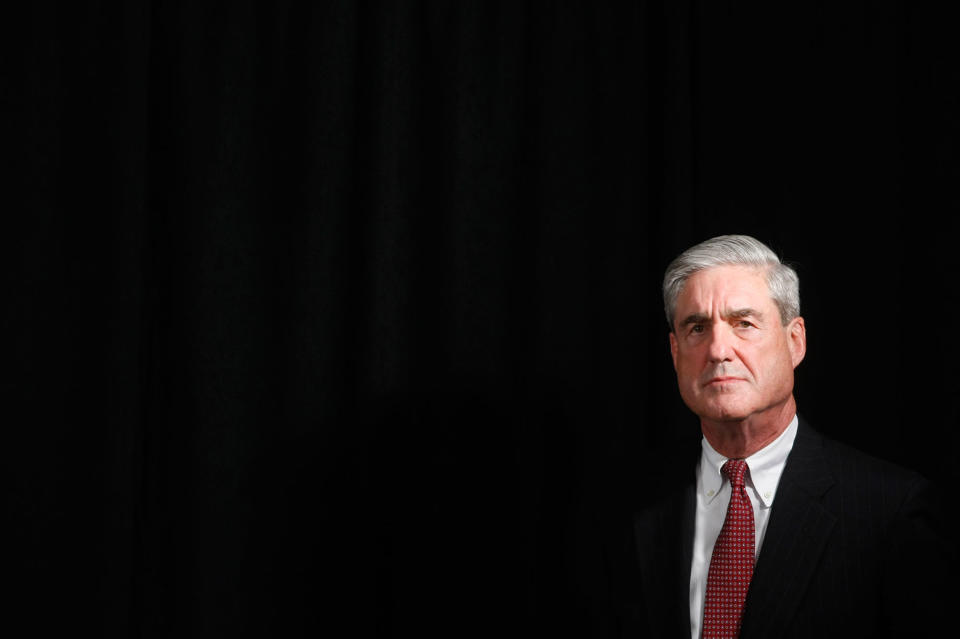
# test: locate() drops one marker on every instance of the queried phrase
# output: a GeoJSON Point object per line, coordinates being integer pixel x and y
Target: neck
{"type": "Point", "coordinates": [741, 438]}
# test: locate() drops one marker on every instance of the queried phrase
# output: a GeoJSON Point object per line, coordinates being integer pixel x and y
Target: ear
{"type": "Point", "coordinates": [797, 339]}
{"type": "Point", "coordinates": [673, 349]}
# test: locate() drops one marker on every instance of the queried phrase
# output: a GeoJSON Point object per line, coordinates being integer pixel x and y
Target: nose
{"type": "Point", "coordinates": [720, 348]}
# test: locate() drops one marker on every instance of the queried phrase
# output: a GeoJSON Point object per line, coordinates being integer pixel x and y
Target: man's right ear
{"type": "Point", "coordinates": [673, 349]}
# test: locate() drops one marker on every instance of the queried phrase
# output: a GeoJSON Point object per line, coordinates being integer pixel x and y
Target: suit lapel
{"type": "Point", "coordinates": [798, 529]}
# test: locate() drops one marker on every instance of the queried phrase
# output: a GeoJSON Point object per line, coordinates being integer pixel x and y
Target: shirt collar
{"type": "Point", "coordinates": [766, 465]}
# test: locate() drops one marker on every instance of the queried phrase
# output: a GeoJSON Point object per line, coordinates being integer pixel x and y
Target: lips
{"type": "Point", "coordinates": [724, 380]}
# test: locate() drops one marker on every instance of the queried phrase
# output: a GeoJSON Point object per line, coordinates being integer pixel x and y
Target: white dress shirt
{"type": "Point", "coordinates": [713, 495]}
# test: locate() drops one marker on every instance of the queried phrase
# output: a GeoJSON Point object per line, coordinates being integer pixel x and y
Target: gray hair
{"type": "Point", "coordinates": [740, 250]}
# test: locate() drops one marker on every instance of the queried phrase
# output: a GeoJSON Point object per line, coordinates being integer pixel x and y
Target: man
{"type": "Point", "coordinates": [770, 529]}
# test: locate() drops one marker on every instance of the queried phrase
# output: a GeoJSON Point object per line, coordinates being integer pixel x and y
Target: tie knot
{"type": "Point", "coordinates": [735, 470]}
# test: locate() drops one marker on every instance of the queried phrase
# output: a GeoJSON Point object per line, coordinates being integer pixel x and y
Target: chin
{"type": "Point", "coordinates": [725, 412]}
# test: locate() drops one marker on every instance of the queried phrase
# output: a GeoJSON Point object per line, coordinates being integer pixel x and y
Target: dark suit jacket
{"type": "Point", "coordinates": [855, 547]}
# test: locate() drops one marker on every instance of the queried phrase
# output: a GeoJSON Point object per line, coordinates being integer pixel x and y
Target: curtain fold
{"type": "Point", "coordinates": [341, 313]}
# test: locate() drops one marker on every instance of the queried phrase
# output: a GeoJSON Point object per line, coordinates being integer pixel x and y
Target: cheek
{"type": "Point", "coordinates": [778, 366]}
{"type": "Point", "coordinates": [687, 369]}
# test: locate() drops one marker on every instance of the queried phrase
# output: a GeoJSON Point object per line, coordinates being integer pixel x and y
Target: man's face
{"type": "Point", "coordinates": [733, 356]}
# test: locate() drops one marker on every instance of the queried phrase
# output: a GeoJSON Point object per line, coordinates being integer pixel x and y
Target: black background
{"type": "Point", "coordinates": [330, 315]}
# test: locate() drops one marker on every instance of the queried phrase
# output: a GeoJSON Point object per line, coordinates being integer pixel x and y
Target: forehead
{"type": "Point", "coordinates": [725, 287]}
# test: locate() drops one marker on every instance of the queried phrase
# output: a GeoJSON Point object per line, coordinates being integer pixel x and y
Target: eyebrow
{"type": "Point", "coordinates": [696, 318]}
{"type": "Point", "coordinates": [739, 313]}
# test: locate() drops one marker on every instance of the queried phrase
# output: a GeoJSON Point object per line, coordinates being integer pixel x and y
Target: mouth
{"type": "Point", "coordinates": [723, 380]}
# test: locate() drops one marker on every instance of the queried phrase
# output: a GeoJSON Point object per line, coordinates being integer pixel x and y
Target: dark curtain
{"type": "Point", "coordinates": [334, 314]}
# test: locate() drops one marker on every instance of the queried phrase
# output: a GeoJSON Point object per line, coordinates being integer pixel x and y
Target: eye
{"type": "Point", "coordinates": [697, 328]}
{"type": "Point", "coordinates": [744, 324]}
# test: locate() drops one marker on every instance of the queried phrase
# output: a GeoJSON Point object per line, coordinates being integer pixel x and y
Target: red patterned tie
{"type": "Point", "coordinates": [731, 566]}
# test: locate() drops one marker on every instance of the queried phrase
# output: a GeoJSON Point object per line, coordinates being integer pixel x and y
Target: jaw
{"type": "Point", "coordinates": [721, 402]}
{"type": "Point", "coordinates": [745, 409]}
{"type": "Point", "coordinates": [726, 410]}
{"type": "Point", "coordinates": [733, 402]}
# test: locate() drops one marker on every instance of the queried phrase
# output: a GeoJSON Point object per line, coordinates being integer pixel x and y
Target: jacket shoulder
{"type": "Point", "coordinates": [853, 463]}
